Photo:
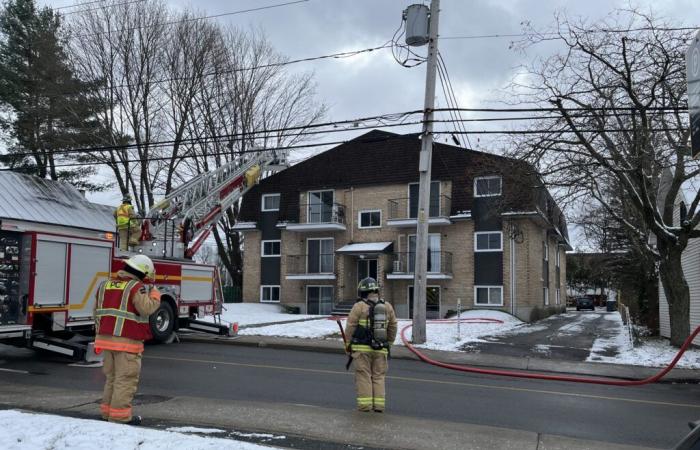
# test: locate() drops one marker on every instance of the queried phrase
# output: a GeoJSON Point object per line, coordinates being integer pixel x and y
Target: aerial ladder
{"type": "Point", "coordinates": [178, 225]}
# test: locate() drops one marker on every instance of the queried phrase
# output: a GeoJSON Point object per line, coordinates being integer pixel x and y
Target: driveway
{"type": "Point", "coordinates": [567, 336]}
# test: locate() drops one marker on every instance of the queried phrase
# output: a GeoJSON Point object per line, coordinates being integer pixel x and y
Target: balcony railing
{"type": "Point", "coordinates": [319, 217]}
{"type": "Point", "coordinates": [404, 264]}
{"type": "Point", "coordinates": [407, 208]}
{"type": "Point", "coordinates": [316, 266]}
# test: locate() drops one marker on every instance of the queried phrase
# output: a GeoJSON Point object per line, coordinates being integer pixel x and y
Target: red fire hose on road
{"type": "Point", "coordinates": [518, 374]}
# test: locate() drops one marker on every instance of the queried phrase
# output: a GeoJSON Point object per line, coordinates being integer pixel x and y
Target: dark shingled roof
{"type": "Point", "coordinates": [381, 158]}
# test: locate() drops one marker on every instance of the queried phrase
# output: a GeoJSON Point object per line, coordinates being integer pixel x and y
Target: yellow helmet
{"type": "Point", "coordinates": [143, 264]}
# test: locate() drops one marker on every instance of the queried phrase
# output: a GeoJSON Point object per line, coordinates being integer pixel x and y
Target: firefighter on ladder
{"type": "Point", "coordinates": [372, 327]}
{"type": "Point", "coordinates": [122, 309]}
{"type": "Point", "coordinates": [127, 225]}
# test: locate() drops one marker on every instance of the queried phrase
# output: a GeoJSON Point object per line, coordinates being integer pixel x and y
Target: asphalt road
{"type": "Point", "coordinates": [653, 416]}
{"type": "Point", "coordinates": [566, 336]}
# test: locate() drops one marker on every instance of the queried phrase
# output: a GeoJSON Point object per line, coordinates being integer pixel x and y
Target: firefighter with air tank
{"type": "Point", "coordinates": [371, 328]}
{"type": "Point", "coordinates": [122, 309]}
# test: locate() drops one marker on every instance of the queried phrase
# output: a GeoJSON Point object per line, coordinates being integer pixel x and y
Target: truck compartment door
{"type": "Point", "coordinates": [50, 273]}
{"type": "Point", "coordinates": [89, 265]}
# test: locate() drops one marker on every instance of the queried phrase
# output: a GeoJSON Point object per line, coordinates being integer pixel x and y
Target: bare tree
{"type": "Point", "coordinates": [616, 116]}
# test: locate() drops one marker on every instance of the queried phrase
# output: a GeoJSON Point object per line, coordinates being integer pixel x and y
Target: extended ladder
{"type": "Point", "coordinates": [191, 211]}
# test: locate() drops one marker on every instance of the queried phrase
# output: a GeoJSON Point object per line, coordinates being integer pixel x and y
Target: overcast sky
{"type": "Point", "coordinates": [374, 83]}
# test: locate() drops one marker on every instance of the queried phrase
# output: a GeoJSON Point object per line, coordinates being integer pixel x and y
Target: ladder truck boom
{"type": "Point", "coordinates": [192, 210]}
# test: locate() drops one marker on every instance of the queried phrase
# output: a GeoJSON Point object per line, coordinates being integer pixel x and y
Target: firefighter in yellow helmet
{"type": "Point", "coordinates": [372, 329]}
{"type": "Point", "coordinates": [122, 309]}
{"type": "Point", "coordinates": [127, 225]}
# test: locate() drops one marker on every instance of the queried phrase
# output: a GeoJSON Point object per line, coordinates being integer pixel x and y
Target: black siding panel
{"type": "Point", "coordinates": [487, 213]}
{"type": "Point", "coordinates": [488, 268]}
{"type": "Point", "coordinates": [270, 271]}
{"type": "Point", "coordinates": [268, 226]}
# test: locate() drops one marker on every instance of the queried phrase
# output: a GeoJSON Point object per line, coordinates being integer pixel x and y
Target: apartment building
{"type": "Point", "coordinates": [311, 232]}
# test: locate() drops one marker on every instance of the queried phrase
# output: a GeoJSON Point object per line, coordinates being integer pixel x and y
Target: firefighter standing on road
{"type": "Point", "coordinates": [123, 306]}
{"type": "Point", "coordinates": [124, 214]}
{"type": "Point", "coordinates": [372, 327]}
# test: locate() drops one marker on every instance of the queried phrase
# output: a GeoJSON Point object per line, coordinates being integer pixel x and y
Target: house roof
{"type": "Point", "coordinates": [383, 158]}
{"type": "Point", "coordinates": [33, 199]}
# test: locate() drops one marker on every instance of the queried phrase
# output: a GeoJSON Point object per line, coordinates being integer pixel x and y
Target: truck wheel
{"type": "Point", "coordinates": [163, 322]}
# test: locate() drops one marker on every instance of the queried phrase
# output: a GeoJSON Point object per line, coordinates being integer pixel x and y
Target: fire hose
{"type": "Point", "coordinates": [519, 374]}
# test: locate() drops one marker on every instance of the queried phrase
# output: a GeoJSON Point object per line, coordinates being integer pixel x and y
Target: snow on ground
{"type": "Point", "coordinates": [441, 335]}
{"type": "Point", "coordinates": [652, 352]}
{"type": "Point", "coordinates": [195, 430]}
{"type": "Point", "coordinates": [256, 313]}
{"type": "Point", "coordinates": [23, 431]}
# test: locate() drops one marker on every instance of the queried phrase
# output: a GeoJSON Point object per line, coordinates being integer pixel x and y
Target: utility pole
{"type": "Point", "coordinates": [420, 283]}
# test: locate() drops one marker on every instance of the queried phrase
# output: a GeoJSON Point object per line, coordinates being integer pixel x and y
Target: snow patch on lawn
{"type": "Point", "coordinates": [22, 431]}
{"type": "Point", "coordinates": [320, 328]}
{"type": "Point", "coordinates": [652, 352]}
{"type": "Point", "coordinates": [444, 336]}
{"type": "Point", "coordinates": [256, 313]}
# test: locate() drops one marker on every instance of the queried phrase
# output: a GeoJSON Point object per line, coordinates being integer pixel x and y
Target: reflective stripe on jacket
{"type": "Point", "coordinates": [117, 315]}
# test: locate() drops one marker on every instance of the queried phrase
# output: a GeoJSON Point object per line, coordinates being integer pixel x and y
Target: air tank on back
{"type": "Point", "coordinates": [417, 25]}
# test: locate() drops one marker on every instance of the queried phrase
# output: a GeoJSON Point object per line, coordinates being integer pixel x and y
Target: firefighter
{"type": "Point", "coordinates": [372, 327]}
{"type": "Point", "coordinates": [122, 308]}
{"type": "Point", "coordinates": [127, 225]}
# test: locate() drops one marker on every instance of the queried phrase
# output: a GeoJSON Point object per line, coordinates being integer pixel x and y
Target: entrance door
{"type": "Point", "coordinates": [366, 268]}
{"type": "Point", "coordinates": [432, 302]}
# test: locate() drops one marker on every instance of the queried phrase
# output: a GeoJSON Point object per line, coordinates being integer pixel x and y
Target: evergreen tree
{"type": "Point", "coordinates": [47, 110]}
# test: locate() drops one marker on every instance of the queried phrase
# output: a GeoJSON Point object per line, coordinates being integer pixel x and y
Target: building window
{"type": "Point", "coordinates": [487, 186]}
{"type": "Point", "coordinates": [271, 202]}
{"type": "Point", "coordinates": [370, 219]}
{"type": "Point", "coordinates": [545, 247]}
{"type": "Point", "coordinates": [488, 295]}
{"type": "Point", "coordinates": [558, 296]}
{"type": "Point", "coordinates": [413, 192]}
{"type": "Point", "coordinates": [432, 302]}
{"type": "Point", "coordinates": [319, 299]}
{"type": "Point", "coordinates": [545, 295]}
{"type": "Point", "coordinates": [270, 248]}
{"type": "Point", "coordinates": [434, 260]}
{"type": "Point", "coordinates": [488, 241]}
{"type": "Point", "coordinates": [320, 255]}
{"type": "Point", "coordinates": [558, 257]}
{"type": "Point", "coordinates": [269, 294]}
{"type": "Point", "coordinates": [320, 209]}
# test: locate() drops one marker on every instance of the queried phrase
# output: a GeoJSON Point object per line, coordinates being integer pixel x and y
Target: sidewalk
{"type": "Point", "coordinates": [339, 426]}
{"type": "Point", "coordinates": [473, 359]}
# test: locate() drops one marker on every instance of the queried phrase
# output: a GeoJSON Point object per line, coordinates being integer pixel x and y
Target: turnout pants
{"type": "Point", "coordinates": [127, 238]}
{"type": "Point", "coordinates": [122, 371]}
{"type": "Point", "coordinates": [370, 370]}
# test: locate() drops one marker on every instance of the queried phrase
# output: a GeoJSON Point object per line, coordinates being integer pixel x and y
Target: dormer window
{"type": "Point", "coordinates": [487, 186]}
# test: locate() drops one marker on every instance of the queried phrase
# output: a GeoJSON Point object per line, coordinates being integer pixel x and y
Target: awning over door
{"type": "Point", "coordinates": [366, 248]}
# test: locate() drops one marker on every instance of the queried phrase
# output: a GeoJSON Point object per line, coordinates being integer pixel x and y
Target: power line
{"type": "Point", "coordinates": [384, 120]}
{"type": "Point", "coordinates": [75, 5]}
{"type": "Point", "coordinates": [195, 19]}
{"type": "Point", "coordinates": [552, 34]}
{"type": "Point", "coordinates": [112, 5]}
{"type": "Point", "coordinates": [338, 55]}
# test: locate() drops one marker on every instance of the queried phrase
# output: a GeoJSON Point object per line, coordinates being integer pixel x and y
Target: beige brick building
{"type": "Point", "coordinates": [311, 232]}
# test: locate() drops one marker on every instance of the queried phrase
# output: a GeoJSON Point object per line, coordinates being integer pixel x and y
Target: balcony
{"type": "Point", "coordinates": [311, 267]}
{"type": "Point", "coordinates": [403, 266]}
{"type": "Point", "coordinates": [319, 217]}
{"type": "Point", "coordinates": [403, 212]}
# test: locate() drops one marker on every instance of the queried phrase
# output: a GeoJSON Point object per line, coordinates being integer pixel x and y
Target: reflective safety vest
{"type": "Point", "coordinates": [117, 313]}
{"type": "Point", "coordinates": [124, 215]}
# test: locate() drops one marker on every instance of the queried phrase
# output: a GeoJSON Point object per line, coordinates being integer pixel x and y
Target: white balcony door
{"type": "Point", "coordinates": [433, 253]}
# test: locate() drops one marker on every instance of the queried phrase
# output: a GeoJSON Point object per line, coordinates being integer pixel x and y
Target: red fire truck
{"type": "Point", "coordinates": [56, 247]}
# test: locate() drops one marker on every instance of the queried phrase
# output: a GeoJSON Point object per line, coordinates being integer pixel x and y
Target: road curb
{"type": "Point", "coordinates": [602, 370]}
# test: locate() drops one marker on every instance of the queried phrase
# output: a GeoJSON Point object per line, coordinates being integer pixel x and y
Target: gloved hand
{"type": "Point", "coordinates": [154, 294]}
{"type": "Point", "coordinates": [348, 349]}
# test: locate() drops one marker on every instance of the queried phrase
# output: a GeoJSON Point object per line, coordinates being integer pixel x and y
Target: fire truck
{"type": "Point", "coordinates": [56, 248]}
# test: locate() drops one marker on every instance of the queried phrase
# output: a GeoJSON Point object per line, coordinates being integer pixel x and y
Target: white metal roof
{"type": "Point", "coordinates": [366, 247]}
{"type": "Point", "coordinates": [33, 199]}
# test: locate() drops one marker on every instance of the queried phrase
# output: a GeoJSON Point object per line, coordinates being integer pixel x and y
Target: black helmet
{"type": "Point", "coordinates": [368, 285]}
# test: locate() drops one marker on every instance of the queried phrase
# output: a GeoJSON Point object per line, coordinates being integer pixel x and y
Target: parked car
{"type": "Point", "coordinates": [584, 303]}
